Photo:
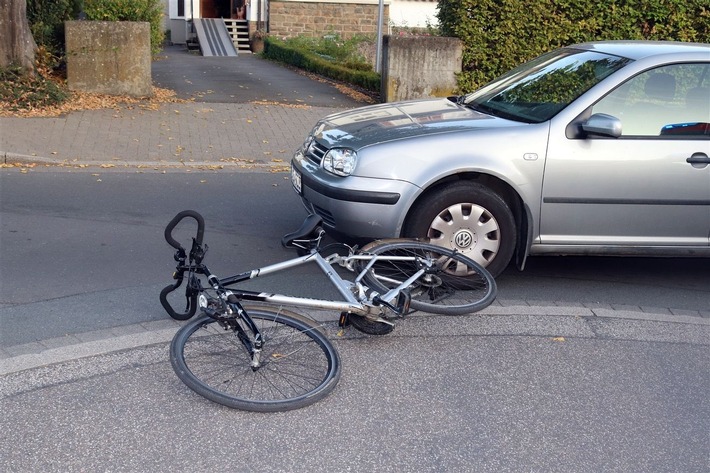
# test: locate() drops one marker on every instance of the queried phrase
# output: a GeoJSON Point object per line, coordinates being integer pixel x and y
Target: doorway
{"type": "Point", "coordinates": [217, 8]}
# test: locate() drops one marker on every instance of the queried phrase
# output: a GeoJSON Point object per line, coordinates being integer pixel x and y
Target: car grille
{"type": "Point", "coordinates": [315, 152]}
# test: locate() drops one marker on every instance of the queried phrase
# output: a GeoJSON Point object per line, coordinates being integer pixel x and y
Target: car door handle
{"type": "Point", "coordinates": [698, 160]}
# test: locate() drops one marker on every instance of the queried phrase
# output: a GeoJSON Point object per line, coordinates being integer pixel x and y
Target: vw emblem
{"type": "Point", "coordinates": [463, 239]}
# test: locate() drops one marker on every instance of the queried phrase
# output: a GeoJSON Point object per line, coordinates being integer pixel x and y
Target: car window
{"type": "Point", "coordinates": [538, 90]}
{"type": "Point", "coordinates": [665, 102]}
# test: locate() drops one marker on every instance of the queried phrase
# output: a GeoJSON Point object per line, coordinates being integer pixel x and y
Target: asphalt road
{"type": "Point", "coordinates": [243, 79]}
{"type": "Point", "coordinates": [87, 239]}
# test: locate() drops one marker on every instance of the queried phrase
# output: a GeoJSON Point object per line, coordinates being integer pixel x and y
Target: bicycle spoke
{"type": "Point", "coordinates": [452, 283]}
{"type": "Point", "coordinates": [297, 363]}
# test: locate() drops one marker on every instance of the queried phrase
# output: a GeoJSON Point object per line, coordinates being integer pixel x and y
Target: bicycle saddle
{"type": "Point", "coordinates": [309, 230]}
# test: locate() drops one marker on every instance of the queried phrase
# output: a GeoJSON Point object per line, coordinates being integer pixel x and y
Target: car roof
{"type": "Point", "coordinates": [641, 49]}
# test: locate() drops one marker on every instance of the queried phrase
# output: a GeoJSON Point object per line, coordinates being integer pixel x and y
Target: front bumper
{"type": "Point", "coordinates": [355, 206]}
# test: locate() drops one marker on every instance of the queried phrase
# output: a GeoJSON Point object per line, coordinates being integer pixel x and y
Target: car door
{"type": "Point", "coordinates": [648, 187]}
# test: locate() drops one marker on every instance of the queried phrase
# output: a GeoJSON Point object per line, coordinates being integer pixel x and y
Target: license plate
{"type": "Point", "coordinates": [296, 179]}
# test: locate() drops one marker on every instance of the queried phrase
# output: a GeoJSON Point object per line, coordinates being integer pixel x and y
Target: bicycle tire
{"type": "Point", "coordinates": [456, 285]}
{"type": "Point", "coordinates": [300, 366]}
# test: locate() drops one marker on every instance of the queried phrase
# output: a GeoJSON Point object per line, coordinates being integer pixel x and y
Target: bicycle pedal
{"type": "Point", "coordinates": [404, 300]}
{"type": "Point", "coordinates": [344, 320]}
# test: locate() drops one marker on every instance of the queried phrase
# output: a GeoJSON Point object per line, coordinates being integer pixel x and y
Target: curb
{"type": "Point", "coordinates": [106, 341]}
{"type": "Point", "coordinates": [117, 165]}
{"type": "Point", "coordinates": [102, 342]}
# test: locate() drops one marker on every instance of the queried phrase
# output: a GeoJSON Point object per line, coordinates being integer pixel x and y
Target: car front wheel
{"type": "Point", "coordinates": [469, 218]}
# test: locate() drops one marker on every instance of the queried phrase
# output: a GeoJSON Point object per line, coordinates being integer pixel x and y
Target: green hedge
{"type": "Point", "coordinates": [46, 20]}
{"type": "Point", "coordinates": [277, 50]}
{"type": "Point", "coordinates": [500, 34]}
{"type": "Point", "coordinates": [130, 10]}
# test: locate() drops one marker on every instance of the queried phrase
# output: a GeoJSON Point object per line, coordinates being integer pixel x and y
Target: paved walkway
{"type": "Point", "coordinates": [243, 111]}
{"type": "Point", "coordinates": [176, 134]}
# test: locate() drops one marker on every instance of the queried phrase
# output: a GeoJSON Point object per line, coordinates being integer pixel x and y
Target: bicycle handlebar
{"type": "Point", "coordinates": [196, 254]}
{"type": "Point", "coordinates": [177, 219]}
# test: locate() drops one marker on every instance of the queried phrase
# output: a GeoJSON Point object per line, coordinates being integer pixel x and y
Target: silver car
{"type": "Point", "coordinates": [596, 148]}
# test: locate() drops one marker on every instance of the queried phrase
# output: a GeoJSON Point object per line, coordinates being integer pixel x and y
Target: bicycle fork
{"type": "Point", "coordinates": [234, 314]}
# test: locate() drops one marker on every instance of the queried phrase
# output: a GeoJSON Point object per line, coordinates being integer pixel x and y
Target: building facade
{"type": "Point", "coordinates": [288, 18]}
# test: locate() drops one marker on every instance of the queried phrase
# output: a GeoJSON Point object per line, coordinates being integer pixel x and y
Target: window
{"type": "Point", "coordinates": [667, 101]}
{"type": "Point", "coordinates": [536, 91]}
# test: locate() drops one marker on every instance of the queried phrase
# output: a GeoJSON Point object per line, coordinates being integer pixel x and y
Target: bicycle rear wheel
{"type": "Point", "coordinates": [299, 365]}
{"type": "Point", "coordinates": [455, 285]}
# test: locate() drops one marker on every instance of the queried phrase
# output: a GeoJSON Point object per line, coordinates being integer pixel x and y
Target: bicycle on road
{"type": "Point", "coordinates": [265, 358]}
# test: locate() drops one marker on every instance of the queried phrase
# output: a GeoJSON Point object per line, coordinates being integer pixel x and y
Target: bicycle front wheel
{"type": "Point", "coordinates": [299, 365]}
{"type": "Point", "coordinates": [454, 285]}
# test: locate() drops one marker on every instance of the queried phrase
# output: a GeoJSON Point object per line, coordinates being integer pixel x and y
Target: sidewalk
{"type": "Point", "coordinates": [242, 112]}
{"type": "Point", "coordinates": [176, 134]}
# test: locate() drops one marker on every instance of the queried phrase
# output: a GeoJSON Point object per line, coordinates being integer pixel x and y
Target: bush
{"type": "Point", "coordinates": [300, 52]}
{"type": "Point", "coordinates": [334, 48]}
{"type": "Point", "coordinates": [46, 21]}
{"type": "Point", "coordinates": [501, 34]}
{"type": "Point", "coordinates": [20, 92]}
{"type": "Point", "coordinates": [130, 10]}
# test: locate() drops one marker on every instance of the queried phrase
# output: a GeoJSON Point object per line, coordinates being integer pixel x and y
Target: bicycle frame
{"type": "Point", "coordinates": [366, 302]}
{"type": "Point", "coordinates": [359, 299]}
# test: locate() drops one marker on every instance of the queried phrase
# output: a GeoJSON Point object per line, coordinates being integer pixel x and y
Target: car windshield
{"type": "Point", "coordinates": [536, 91]}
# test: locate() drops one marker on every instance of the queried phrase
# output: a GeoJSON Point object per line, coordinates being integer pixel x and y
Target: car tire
{"type": "Point", "coordinates": [468, 217]}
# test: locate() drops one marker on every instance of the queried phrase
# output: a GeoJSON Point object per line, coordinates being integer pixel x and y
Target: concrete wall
{"type": "Point", "coordinates": [109, 57]}
{"type": "Point", "coordinates": [416, 67]}
{"type": "Point", "coordinates": [289, 18]}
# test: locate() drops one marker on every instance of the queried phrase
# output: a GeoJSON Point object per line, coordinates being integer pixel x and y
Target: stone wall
{"type": "Point", "coordinates": [415, 67]}
{"type": "Point", "coordinates": [289, 18]}
{"type": "Point", "coordinates": [109, 57]}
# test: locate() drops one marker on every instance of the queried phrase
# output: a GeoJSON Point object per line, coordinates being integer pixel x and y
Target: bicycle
{"type": "Point", "coordinates": [266, 358]}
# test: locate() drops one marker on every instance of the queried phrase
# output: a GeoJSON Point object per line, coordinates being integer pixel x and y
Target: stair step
{"type": "Point", "coordinates": [239, 32]}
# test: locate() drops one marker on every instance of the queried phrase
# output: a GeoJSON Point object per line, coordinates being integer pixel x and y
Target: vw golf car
{"type": "Point", "coordinates": [596, 148]}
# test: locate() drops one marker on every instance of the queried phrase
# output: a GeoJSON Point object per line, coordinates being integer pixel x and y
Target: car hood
{"type": "Point", "coordinates": [364, 126]}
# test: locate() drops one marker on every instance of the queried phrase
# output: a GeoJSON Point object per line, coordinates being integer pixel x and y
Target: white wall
{"type": "Point", "coordinates": [413, 13]}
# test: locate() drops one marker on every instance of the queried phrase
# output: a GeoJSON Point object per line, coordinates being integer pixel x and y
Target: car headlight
{"type": "Point", "coordinates": [340, 161]}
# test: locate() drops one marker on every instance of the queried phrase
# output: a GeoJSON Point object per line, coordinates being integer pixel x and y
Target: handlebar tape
{"type": "Point", "coordinates": [177, 219]}
{"type": "Point", "coordinates": [191, 304]}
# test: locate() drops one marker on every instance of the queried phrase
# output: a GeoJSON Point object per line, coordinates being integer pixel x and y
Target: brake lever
{"type": "Point", "coordinates": [198, 252]}
{"type": "Point", "coordinates": [180, 256]}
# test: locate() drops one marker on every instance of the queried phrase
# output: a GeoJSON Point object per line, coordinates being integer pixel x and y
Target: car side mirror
{"type": "Point", "coordinates": [602, 124]}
